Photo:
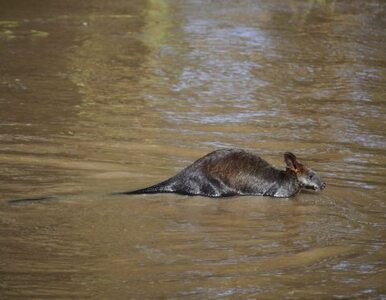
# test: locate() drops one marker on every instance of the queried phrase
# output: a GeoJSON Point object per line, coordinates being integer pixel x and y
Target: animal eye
{"type": "Point", "coordinates": [311, 176]}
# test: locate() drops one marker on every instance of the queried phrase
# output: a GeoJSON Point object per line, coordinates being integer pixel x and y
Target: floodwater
{"type": "Point", "coordinates": [105, 96]}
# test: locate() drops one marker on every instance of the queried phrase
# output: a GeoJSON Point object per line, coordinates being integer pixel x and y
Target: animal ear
{"type": "Point", "coordinates": [291, 162]}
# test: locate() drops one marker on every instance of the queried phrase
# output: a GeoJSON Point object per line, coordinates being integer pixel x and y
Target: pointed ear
{"type": "Point", "coordinates": [291, 162]}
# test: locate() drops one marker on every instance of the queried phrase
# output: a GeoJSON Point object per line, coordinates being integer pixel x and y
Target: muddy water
{"type": "Point", "coordinates": [100, 96]}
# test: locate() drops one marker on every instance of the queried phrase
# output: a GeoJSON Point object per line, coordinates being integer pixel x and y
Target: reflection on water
{"type": "Point", "coordinates": [99, 97]}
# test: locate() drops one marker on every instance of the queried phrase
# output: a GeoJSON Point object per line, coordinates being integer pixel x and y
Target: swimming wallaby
{"type": "Point", "coordinates": [232, 172]}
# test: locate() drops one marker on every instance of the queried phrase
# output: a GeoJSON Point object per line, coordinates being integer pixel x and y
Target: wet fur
{"type": "Point", "coordinates": [232, 172]}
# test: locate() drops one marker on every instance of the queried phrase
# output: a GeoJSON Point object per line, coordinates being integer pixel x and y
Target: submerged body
{"type": "Point", "coordinates": [230, 172]}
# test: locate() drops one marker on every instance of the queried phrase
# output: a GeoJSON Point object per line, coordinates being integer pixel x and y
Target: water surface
{"type": "Point", "coordinates": [100, 97]}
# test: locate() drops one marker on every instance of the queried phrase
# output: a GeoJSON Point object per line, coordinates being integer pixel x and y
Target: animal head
{"type": "Point", "coordinates": [307, 177]}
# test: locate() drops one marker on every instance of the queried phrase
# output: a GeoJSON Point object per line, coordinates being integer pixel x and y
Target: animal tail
{"type": "Point", "coordinates": [33, 200]}
{"type": "Point", "coordinates": [163, 187]}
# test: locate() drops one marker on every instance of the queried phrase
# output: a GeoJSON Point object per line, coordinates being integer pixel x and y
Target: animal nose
{"type": "Point", "coordinates": [323, 185]}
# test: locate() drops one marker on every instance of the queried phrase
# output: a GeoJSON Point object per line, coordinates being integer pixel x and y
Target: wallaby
{"type": "Point", "coordinates": [231, 172]}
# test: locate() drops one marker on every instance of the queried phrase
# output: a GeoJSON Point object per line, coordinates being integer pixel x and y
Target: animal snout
{"type": "Point", "coordinates": [323, 185]}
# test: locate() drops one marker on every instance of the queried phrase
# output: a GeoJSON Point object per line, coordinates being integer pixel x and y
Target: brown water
{"type": "Point", "coordinates": [103, 96]}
